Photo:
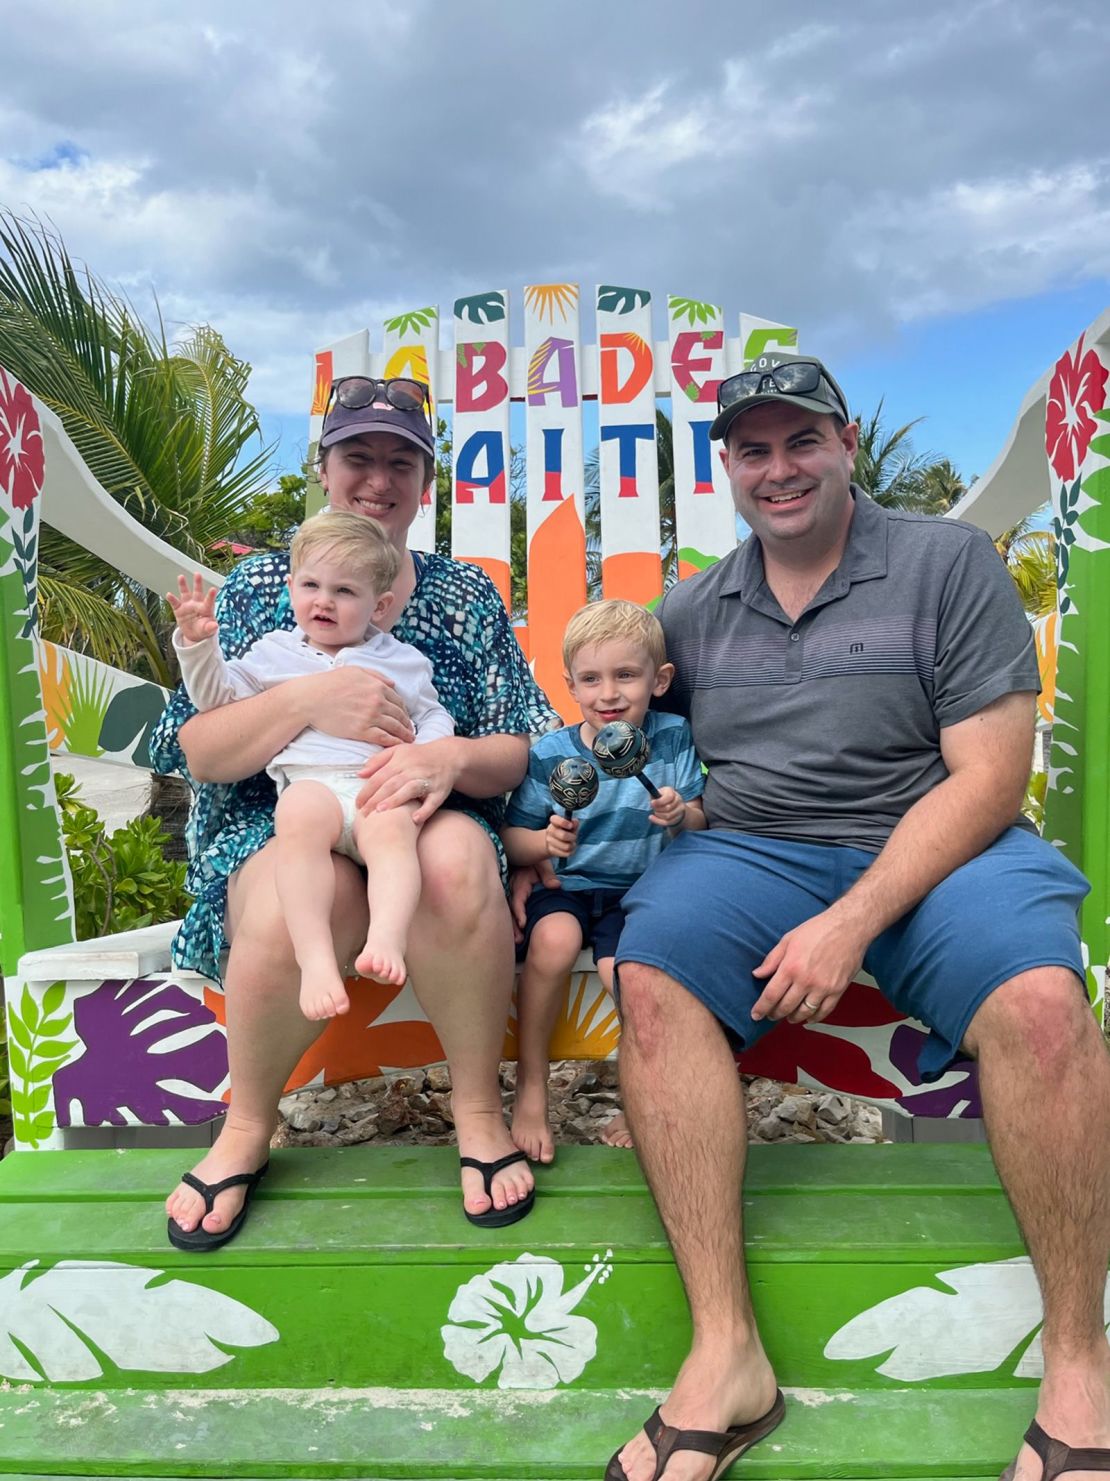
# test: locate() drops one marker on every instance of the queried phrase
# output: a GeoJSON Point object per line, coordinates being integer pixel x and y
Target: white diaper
{"type": "Point", "coordinates": [344, 784]}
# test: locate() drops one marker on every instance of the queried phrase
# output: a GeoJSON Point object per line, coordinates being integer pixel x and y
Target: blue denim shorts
{"type": "Point", "coordinates": [1013, 907]}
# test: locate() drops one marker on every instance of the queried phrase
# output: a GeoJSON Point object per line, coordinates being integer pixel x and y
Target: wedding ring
{"type": "Point", "coordinates": [425, 786]}
{"type": "Point", "coordinates": [813, 1007]}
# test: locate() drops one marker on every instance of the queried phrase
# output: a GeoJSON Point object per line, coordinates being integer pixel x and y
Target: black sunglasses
{"type": "Point", "coordinates": [353, 392]}
{"type": "Point", "coordinates": [793, 378]}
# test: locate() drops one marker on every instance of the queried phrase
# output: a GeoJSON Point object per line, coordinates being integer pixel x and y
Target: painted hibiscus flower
{"type": "Point", "coordinates": [21, 457]}
{"type": "Point", "coordinates": [1076, 392]}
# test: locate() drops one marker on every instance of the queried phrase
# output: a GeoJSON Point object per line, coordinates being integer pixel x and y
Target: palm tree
{"type": "Point", "coordinates": [1030, 556]}
{"type": "Point", "coordinates": [164, 429]}
{"type": "Point", "coordinates": [895, 475]}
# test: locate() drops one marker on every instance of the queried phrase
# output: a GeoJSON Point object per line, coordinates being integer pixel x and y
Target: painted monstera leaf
{"type": "Point", "coordinates": [621, 300]}
{"type": "Point", "coordinates": [58, 1324]}
{"type": "Point", "coordinates": [151, 1050]}
{"type": "Point", "coordinates": [133, 712]}
{"type": "Point", "coordinates": [517, 1321]}
{"type": "Point", "coordinates": [481, 308]}
{"type": "Point", "coordinates": [987, 1318]}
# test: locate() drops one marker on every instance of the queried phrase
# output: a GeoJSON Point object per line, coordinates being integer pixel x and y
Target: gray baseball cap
{"type": "Point", "coordinates": [799, 380]}
{"type": "Point", "coordinates": [342, 422]}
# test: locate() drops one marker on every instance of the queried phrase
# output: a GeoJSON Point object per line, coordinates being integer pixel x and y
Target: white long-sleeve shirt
{"type": "Point", "coordinates": [213, 680]}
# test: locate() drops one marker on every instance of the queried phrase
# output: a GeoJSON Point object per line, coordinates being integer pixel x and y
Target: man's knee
{"type": "Point", "coordinates": [1042, 1014]}
{"type": "Point", "coordinates": [647, 998]}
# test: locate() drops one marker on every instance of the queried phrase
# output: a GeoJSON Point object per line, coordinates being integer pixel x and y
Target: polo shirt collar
{"type": "Point", "coordinates": [864, 556]}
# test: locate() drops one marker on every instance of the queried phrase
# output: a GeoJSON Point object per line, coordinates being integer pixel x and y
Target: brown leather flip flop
{"type": "Point", "coordinates": [1058, 1458]}
{"type": "Point", "coordinates": [724, 1445]}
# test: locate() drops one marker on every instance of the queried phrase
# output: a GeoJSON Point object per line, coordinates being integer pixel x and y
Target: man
{"type": "Point", "coordinates": [860, 683]}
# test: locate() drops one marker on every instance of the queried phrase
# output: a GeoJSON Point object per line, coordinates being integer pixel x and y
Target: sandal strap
{"type": "Point", "coordinates": [1058, 1458]}
{"type": "Point", "coordinates": [489, 1170]}
{"type": "Point", "coordinates": [211, 1191]}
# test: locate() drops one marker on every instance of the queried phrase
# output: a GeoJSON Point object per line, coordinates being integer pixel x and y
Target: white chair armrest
{"type": "Point", "coordinates": [127, 954]}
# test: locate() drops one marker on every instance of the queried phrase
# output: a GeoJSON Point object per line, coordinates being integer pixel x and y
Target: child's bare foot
{"type": "Point", "coordinates": [615, 1133]}
{"type": "Point", "coordinates": [323, 994]}
{"type": "Point", "coordinates": [531, 1130]}
{"type": "Point", "coordinates": [382, 958]}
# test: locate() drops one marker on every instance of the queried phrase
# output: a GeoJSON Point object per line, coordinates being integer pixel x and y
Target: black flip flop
{"type": "Point", "coordinates": [199, 1240]}
{"type": "Point", "coordinates": [497, 1218]}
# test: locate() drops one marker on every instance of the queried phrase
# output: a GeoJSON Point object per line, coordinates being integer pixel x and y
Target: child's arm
{"type": "Point", "coordinates": [530, 845]}
{"type": "Point", "coordinates": [429, 718]}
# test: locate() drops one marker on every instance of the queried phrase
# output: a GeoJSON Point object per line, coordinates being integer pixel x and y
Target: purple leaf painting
{"type": "Point", "coordinates": [124, 1025]}
{"type": "Point", "coordinates": [905, 1044]}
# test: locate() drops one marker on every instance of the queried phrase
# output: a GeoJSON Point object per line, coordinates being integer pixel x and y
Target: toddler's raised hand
{"type": "Point", "coordinates": [562, 836]}
{"type": "Point", "coordinates": [194, 611]}
{"type": "Point", "coordinates": [668, 809]}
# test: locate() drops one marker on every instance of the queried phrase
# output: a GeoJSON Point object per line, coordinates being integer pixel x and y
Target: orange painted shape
{"type": "Point", "coordinates": [524, 638]}
{"type": "Point", "coordinates": [54, 676]}
{"type": "Point", "coordinates": [321, 387]}
{"type": "Point", "coordinates": [354, 1045]}
{"type": "Point", "coordinates": [686, 569]}
{"type": "Point", "coordinates": [636, 576]}
{"type": "Point", "coordinates": [497, 571]}
{"type": "Point", "coordinates": [1046, 631]}
{"type": "Point", "coordinates": [556, 589]}
{"type": "Point", "coordinates": [613, 393]}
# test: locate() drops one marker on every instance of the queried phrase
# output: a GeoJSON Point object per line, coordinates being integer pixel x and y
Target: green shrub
{"type": "Point", "coordinates": [121, 881]}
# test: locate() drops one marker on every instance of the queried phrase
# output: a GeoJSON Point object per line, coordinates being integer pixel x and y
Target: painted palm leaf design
{"type": "Point", "coordinates": [615, 300]}
{"type": "Point", "coordinates": [544, 298]}
{"type": "Point", "coordinates": [60, 1324]}
{"type": "Point", "coordinates": [693, 310]}
{"type": "Point", "coordinates": [983, 1319]}
{"type": "Point", "coordinates": [412, 322]}
{"type": "Point", "coordinates": [481, 308]}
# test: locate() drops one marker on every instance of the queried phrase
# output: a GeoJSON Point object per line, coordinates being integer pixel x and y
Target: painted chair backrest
{"type": "Point", "coordinates": [106, 1033]}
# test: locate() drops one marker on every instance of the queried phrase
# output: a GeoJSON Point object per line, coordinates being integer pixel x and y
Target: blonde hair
{"type": "Point", "coordinates": [601, 622]}
{"type": "Point", "coordinates": [354, 541]}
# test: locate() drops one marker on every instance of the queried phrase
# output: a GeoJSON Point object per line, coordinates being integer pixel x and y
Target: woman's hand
{"type": "Point", "coordinates": [194, 611]}
{"type": "Point", "coordinates": [424, 774]}
{"type": "Point", "coordinates": [358, 704]}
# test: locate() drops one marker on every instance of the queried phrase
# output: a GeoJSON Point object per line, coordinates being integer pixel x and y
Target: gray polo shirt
{"type": "Point", "coordinates": [827, 730]}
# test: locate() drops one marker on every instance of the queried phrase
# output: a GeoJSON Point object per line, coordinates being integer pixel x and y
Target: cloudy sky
{"type": "Point", "coordinates": [924, 190]}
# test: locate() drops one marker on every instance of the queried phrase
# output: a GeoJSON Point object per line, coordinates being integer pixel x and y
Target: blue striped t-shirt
{"type": "Point", "coordinates": [616, 838]}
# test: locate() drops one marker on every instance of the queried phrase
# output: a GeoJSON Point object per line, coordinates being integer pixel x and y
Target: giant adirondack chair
{"type": "Point", "coordinates": [395, 1340]}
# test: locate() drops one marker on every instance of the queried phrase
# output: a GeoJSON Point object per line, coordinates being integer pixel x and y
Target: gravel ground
{"type": "Point", "coordinates": [414, 1108]}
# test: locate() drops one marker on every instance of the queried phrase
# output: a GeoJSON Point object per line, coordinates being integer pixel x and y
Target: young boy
{"type": "Point", "coordinates": [342, 568]}
{"type": "Point", "coordinates": [615, 661]}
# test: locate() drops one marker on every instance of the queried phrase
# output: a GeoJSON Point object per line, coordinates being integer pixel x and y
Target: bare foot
{"type": "Point", "coordinates": [531, 1130]}
{"type": "Point", "coordinates": [615, 1133]}
{"type": "Point", "coordinates": [484, 1135]}
{"type": "Point", "coordinates": [710, 1393]}
{"type": "Point", "coordinates": [236, 1149]}
{"type": "Point", "coordinates": [323, 994]}
{"type": "Point", "coordinates": [382, 959]}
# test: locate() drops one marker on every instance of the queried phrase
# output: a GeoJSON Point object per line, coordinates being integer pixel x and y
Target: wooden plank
{"type": "Point", "coordinates": [480, 447]}
{"type": "Point", "coordinates": [371, 1171]}
{"type": "Point", "coordinates": [428, 1435]}
{"type": "Point", "coordinates": [704, 514]}
{"type": "Point", "coordinates": [836, 1227]}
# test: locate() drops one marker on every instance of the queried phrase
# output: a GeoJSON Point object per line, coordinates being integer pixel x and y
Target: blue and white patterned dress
{"type": "Point", "coordinates": [454, 616]}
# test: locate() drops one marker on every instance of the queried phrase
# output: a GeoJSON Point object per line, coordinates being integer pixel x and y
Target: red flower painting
{"type": "Point", "coordinates": [1076, 392]}
{"type": "Point", "coordinates": [21, 455]}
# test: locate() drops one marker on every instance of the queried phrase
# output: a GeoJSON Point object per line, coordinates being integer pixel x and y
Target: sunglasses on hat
{"type": "Point", "coordinates": [353, 392]}
{"type": "Point", "coordinates": [791, 378]}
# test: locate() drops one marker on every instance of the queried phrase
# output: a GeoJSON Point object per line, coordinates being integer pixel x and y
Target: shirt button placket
{"type": "Point", "coordinates": [794, 650]}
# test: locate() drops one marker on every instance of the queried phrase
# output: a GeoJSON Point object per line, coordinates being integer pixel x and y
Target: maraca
{"type": "Point", "coordinates": [573, 784]}
{"type": "Point", "coordinates": [623, 750]}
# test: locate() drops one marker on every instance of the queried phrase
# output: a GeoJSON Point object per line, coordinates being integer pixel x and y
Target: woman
{"type": "Point", "coordinates": [377, 458]}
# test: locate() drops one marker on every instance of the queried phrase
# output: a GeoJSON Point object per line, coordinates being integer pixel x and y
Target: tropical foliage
{"type": "Point", "coordinates": [897, 476]}
{"type": "Point", "coordinates": [165, 429]}
{"type": "Point", "coordinates": [1029, 551]}
{"type": "Point", "coordinates": [120, 881]}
